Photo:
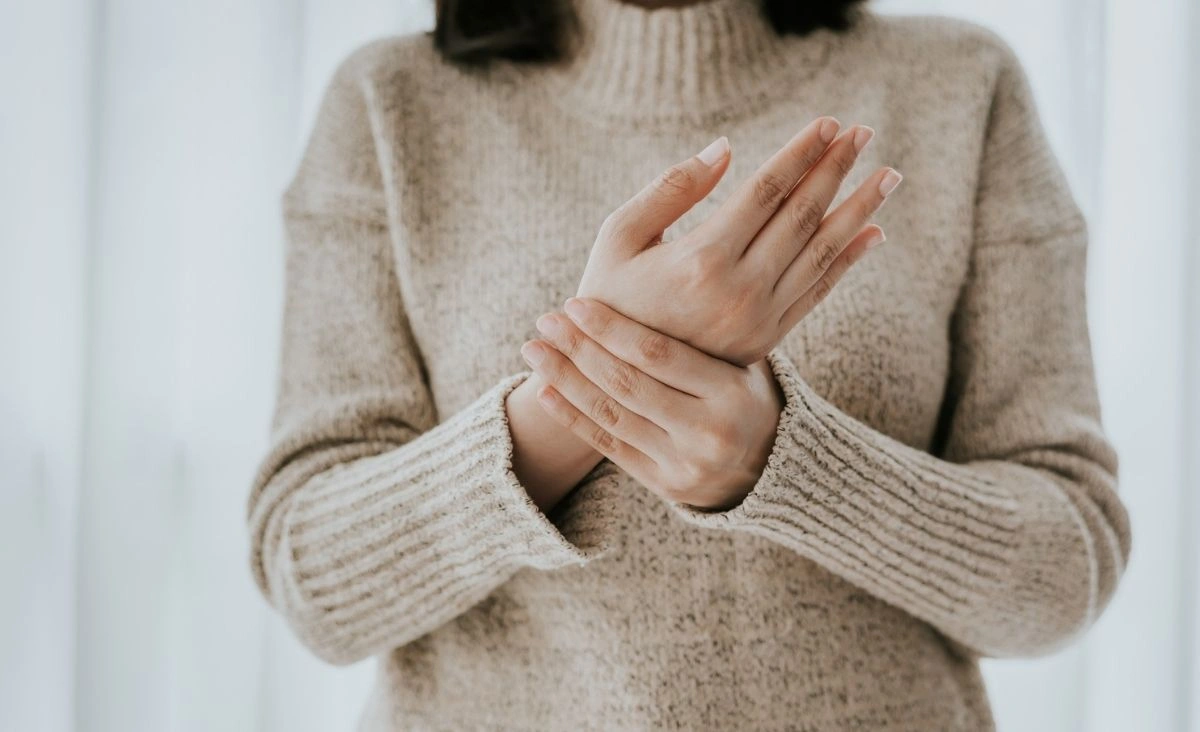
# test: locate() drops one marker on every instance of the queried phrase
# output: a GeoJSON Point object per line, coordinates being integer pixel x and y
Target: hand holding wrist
{"type": "Point", "coordinates": [691, 428]}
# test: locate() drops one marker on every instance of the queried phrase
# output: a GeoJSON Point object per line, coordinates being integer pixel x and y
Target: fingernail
{"type": "Point", "coordinates": [575, 308]}
{"type": "Point", "coordinates": [862, 136]}
{"type": "Point", "coordinates": [829, 129]}
{"type": "Point", "coordinates": [714, 152]}
{"type": "Point", "coordinates": [888, 183]}
{"type": "Point", "coordinates": [533, 353]}
{"type": "Point", "coordinates": [549, 325]}
{"type": "Point", "coordinates": [876, 239]}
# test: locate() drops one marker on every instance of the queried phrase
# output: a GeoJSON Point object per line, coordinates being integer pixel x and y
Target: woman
{"type": "Point", "coordinates": [579, 429]}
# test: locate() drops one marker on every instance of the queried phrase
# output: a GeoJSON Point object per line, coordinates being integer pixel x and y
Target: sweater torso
{"type": "Point", "coordinates": [492, 184]}
{"type": "Point", "coordinates": [677, 628]}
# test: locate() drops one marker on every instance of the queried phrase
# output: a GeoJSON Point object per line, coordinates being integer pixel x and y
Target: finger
{"type": "Point", "coordinates": [745, 212]}
{"type": "Point", "coordinates": [788, 231]}
{"type": "Point", "coordinates": [641, 220]}
{"type": "Point", "coordinates": [834, 234]}
{"type": "Point", "coordinates": [633, 389]}
{"type": "Point", "coordinates": [623, 424]}
{"type": "Point", "coordinates": [668, 360]}
{"type": "Point", "coordinates": [869, 237]}
{"type": "Point", "coordinates": [626, 457]}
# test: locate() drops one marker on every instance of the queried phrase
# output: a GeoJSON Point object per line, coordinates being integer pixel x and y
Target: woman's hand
{"type": "Point", "coordinates": [692, 428]}
{"type": "Point", "coordinates": [737, 283]}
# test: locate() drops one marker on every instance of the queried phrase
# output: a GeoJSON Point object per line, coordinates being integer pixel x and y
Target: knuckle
{"type": "Point", "coordinates": [675, 181]}
{"type": "Point", "coordinates": [769, 190]}
{"type": "Point", "coordinates": [604, 412]}
{"type": "Point", "coordinates": [745, 308]}
{"type": "Point", "coordinates": [655, 348]}
{"type": "Point", "coordinates": [741, 300]}
{"type": "Point", "coordinates": [692, 478]}
{"type": "Point", "coordinates": [615, 225]}
{"type": "Point", "coordinates": [822, 289]}
{"type": "Point", "coordinates": [603, 441]}
{"type": "Point", "coordinates": [827, 251]}
{"type": "Point", "coordinates": [716, 441]}
{"type": "Point", "coordinates": [620, 380]}
{"type": "Point", "coordinates": [697, 472]}
{"type": "Point", "coordinates": [603, 326]}
{"type": "Point", "coordinates": [701, 264]}
{"type": "Point", "coordinates": [570, 341]}
{"type": "Point", "coordinates": [806, 213]}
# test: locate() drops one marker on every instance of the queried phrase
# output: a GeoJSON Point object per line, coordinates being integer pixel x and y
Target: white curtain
{"type": "Point", "coordinates": [143, 149]}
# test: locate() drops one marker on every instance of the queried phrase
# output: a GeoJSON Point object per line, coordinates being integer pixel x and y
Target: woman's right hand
{"type": "Point", "coordinates": [736, 284]}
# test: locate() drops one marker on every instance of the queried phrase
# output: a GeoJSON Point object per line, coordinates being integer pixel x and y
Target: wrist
{"type": "Point", "coordinates": [772, 400]}
{"type": "Point", "coordinates": [523, 408]}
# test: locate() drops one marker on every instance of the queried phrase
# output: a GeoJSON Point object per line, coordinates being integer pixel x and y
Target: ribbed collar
{"type": "Point", "coordinates": [702, 63]}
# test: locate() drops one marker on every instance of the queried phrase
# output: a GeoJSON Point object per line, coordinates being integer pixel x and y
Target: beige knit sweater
{"type": "Point", "coordinates": [940, 487]}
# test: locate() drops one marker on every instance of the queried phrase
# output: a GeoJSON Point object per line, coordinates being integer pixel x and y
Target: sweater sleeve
{"type": "Point", "coordinates": [372, 522]}
{"type": "Point", "coordinates": [1011, 539]}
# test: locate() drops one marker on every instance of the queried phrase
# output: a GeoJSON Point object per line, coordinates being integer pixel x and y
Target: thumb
{"type": "Point", "coordinates": [642, 219]}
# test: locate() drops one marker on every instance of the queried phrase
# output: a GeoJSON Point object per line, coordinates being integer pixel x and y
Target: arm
{"type": "Point", "coordinates": [548, 460]}
{"type": "Point", "coordinates": [1012, 539]}
{"type": "Point", "coordinates": [729, 253]}
{"type": "Point", "coordinates": [371, 521]}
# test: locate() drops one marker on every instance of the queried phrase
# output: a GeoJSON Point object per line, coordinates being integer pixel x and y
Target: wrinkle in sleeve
{"type": "Point", "coordinates": [1011, 540]}
{"type": "Point", "coordinates": [372, 520]}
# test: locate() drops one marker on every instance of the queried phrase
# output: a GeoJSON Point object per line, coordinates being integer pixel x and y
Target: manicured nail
{"type": "Point", "coordinates": [549, 325]}
{"type": "Point", "coordinates": [862, 136]}
{"type": "Point", "coordinates": [876, 239]}
{"type": "Point", "coordinates": [714, 152]}
{"type": "Point", "coordinates": [888, 183]}
{"type": "Point", "coordinates": [533, 353]}
{"type": "Point", "coordinates": [829, 129]}
{"type": "Point", "coordinates": [575, 308]}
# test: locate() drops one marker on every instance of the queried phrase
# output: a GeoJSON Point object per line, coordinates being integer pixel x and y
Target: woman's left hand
{"type": "Point", "coordinates": [691, 428]}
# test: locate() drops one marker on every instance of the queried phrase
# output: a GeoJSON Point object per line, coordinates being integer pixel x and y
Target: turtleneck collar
{"type": "Point", "coordinates": [695, 64]}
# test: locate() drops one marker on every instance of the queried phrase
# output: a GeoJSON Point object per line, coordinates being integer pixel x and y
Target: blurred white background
{"type": "Point", "coordinates": [143, 149]}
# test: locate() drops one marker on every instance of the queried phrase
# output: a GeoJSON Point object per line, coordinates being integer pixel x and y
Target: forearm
{"type": "Point", "coordinates": [548, 460]}
{"type": "Point", "coordinates": [367, 533]}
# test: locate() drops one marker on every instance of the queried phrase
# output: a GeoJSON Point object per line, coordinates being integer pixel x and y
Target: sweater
{"type": "Point", "coordinates": [940, 488]}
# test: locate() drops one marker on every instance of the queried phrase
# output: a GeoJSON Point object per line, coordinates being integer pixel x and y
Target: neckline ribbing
{"type": "Point", "coordinates": [704, 63]}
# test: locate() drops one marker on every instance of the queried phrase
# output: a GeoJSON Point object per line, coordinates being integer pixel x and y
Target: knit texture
{"type": "Point", "coordinates": [940, 488]}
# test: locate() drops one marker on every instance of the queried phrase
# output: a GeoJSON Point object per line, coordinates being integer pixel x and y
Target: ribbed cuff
{"type": "Point", "coordinates": [427, 529]}
{"type": "Point", "coordinates": [933, 535]}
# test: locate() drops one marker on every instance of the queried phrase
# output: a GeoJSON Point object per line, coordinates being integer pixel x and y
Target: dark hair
{"type": "Point", "coordinates": [475, 31]}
